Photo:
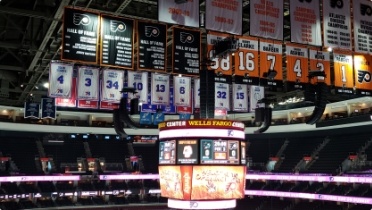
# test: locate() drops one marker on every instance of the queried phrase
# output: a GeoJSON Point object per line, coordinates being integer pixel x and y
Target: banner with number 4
{"type": "Point", "coordinates": [240, 97]}
{"type": "Point", "coordinates": [222, 96]}
{"type": "Point", "coordinates": [160, 89]}
{"type": "Point", "coordinates": [60, 80]}
{"type": "Point", "coordinates": [112, 84]}
{"type": "Point", "coordinates": [182, 91]}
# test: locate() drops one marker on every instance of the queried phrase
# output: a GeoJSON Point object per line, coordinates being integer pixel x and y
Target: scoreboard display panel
{"type": "Point", "coordinates": [219, 151]}
{"type": "Point", "coordinates": [167, 152]}
{"type": "Point", "coordinates": [187, 151]}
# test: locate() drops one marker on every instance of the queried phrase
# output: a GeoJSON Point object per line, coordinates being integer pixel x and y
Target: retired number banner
{"type": "Point", "coordinates": [362, 11]}
{"type": "Point", "coordinates": [112, 84]}
{"type": "Point", "coordinates": [268, 18]}
{"type": "Point", "coordinates": [363, 70]}
{"type": "Point", "coordinates": [343, 71]}
{"type": "Point", "coordinates": [320, 60]}
{"type": "Point", "coordinates": [197, 93]}
{"type": "Point", "coordinates": [256, 93]}
{"type": "Point", "coordinates": [240, 97]}
{"type": "Point", "coordinates": [297, 64]}
{"type": "Point", "coordinates": [182, 91]}
{"type": "Point", "coordinates": [160, 85]}
{"type": "Point", "coordinates": [88, 83]}
{"type": "Point", "coordinates": [185, 13]}
{"type": "Point", "coordinates": [60, 80]}
{"type": "Point", "coordinates": [336, 24]}
{"type": "Point", "coordinates": [224, 16]}
{"type": "Point", "coordinates": [220, 64]}
{"type": "Point", "coordinates": [271, 59]}
{"type": "Point", "coordinates": [246, 59]}
{"type": "Point", "coordinates": [222, 96]}
{"type": "Point", "coordinates": [305, 22]}
{"type": "Point", "coordinates": [139, 81]}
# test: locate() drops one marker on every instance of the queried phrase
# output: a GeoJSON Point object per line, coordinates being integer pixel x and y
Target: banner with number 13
{"type": "Point", "coordinates": [160, 89]}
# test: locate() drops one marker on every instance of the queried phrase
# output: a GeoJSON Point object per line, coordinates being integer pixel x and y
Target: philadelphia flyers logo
{"type": "Point", "coordinates": [186, 37]}
{"type": "Point", "coordinates": [364, 76]}
{"type": "Point", "coordinates": [365, 10]}
{"type": "Point", "coordinates": [151, 31]}
{"type": "Point", "coordinates": [337, 3]}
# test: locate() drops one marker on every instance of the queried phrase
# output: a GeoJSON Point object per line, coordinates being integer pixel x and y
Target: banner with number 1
{"type": "Point", "coordinates": [139, 81]}
{"type": "Point", "coordinates": [182, 91]}
{"type": "Point", "coordinates": [112, 84]}
{"type": "Point", "coordinates": [60, 80]}
{"type": "Point", "coordinates": [160, 89]}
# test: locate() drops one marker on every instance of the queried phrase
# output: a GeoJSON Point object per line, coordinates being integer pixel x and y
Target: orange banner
{"type": "Point", "coordinates": [297, 63]}
{"type": "Point", "coordinates": [221, 64]}
{"type": "Point", "coordinates": [186, 172]}
{"type": "Point", "coordinates": [320, 60]}
{"type": "Point", "coordinates": [363, 70]}
{"type": "Point", "coordinates": [246, 57]}
{"type": "Point", "coordinates": [271, 58]}
{"type": "Point", "coordinates": [218, 182]}
{"type": "Point", "coordinates": [171, 182]}
{"type": "Point", "coordinates": [343, 70]}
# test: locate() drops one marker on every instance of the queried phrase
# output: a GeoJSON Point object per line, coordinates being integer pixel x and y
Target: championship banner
{"type": "Point", "coordinates": [363, 70]}
{"type": "Point", "coordinates": [138, 80]}
{"type": "Point", "coordinates": [240, 97]}
{"type": "Point", "coordinates": [320, 60]}
{"type": "Point", "coordinates": [60, 80]}
{"type": "Point", "coordinates": [362, 13]}
{"type": "Point", "coordinates": [246, 60]}
{"type": "Point", "coordinates": [117, 41]}
{"type": "Point", "coordinates": [160, 89]}
{"type": "Point", "coordinates": [80, 36]}
{"type": "Point", "coordinates": [32, 110]}
{"type": "Point", "coordinates": [88, 83]}
{"type": "Point", "coordinates": [196, 93]}
{"type": "Point", "coordinates": [182, 91]}
{"type": "Point", "coordinates": [184, 13]}
{"type": "Point", "coordinates": [271, 62]}
{"type": "Point", "coordinates": [112, 84]}
{"type": "Point", "coordinates": [151, 44]}
{"type": "Point", "coordinates": [343, 71]}
{"type": "Point", "coordinates": [305, 22]}
{"type": "Point", "coordinates": [186, 51]}
{"type": "Point", "coordinates": [221, 64]}
{"type": "Point", "coordinates": [224, 16]}
{"type": "Point", "coordinates": [222, 96]}
{"type": "Point", "coordinates": [336, 24]}
{"type": "Point", "coordinates": [297, 65]}
{"type": "Point", "coordinates": [256, 93]}
{"type": "Point", "coordinates": [48, 108]}
{"type": "Point", "coordinates": [268, 18]}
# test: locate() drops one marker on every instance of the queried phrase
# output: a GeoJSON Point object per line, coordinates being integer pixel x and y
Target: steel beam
{"type": "Point", "coordinates": [12, 68]}
{"type": "Point", "coordinates": [26, 13]}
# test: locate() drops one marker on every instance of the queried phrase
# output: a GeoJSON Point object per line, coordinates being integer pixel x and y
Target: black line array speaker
{"type": "Point", "coordinates": [207, 93]}
{"type": "Point", "coordinates": [124, 114]}
{"type": "Point", "coordinates": [134, 106]}
{"type": "Point", "coordinates": [321, 95]}
{"type": "Point", "coordinates": [259, 114]}
{"type": "Point", "coordinates": [309, 93]}
{"type": "Point", "coordinates": [267, 117]}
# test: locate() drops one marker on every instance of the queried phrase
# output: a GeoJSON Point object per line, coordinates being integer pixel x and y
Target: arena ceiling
{"type": "Point", "coordinates": [30, 37]}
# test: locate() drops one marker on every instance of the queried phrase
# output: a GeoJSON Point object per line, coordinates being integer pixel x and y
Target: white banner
{"type": "Point", "coordinates": [224, 16]}
{"type": "Point", "coordinates": [362, 26]}
{"type": "Point", "coordinates": [222, 96]}
{"type": "Point", "coordinates": [60, 80]}
{"type": "Point", "coordinates": [305, 22]}
{"type": "Point", "coordinates": [139, 80]}
{"type": "Point", "coordinates": [336, 24]}
{"type": "Point", "coordinates": [182, 91]}
{"type": "Point", "coordinates": [88, 83]}
{"type": "Point", "coordinates": [196, 93]}
{"type": "Point", "coordinates": [112, 84]}
{"type": "Point", "coordinates": [240, 97]}
{"type": "Point", "coordinates": [256, 93]}
{"type": "Point", "coordinates": [268, 18]}
{"type": "Point", "coordinates": [186, 13]}
{"type": "Point", "coordinates": [160, 85]}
